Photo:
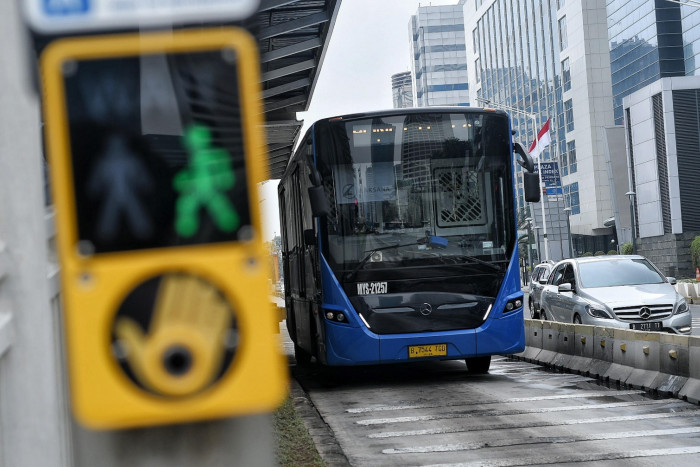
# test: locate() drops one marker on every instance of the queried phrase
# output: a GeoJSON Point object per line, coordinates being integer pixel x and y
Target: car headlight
{"type": "Point", "coordinates": [682, 307]}
{"type": "Point", "coordinates": [597, 312]}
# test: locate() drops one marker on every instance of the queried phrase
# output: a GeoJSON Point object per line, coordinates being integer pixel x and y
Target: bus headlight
{"type": "Point", "coordinates": [513, 304]}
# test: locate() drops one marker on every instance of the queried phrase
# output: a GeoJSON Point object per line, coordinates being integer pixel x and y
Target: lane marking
{"type": "Point", "coordinates": [498, 443]}
{"type": "Point", "coordinates": [533, 424]}
{"type": "Point", "coordinates": [578, 395]}
{"type": "Point", "coordinates": [496, 413]}
{"type": "Point", "coordinates": [511, 462]}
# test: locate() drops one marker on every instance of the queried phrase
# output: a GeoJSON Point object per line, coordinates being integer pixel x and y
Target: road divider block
{"type": "Point", "coordinates": [533, 339]}
{"type": "Point", "coordinates": [582, 357]}
{"type": "Point", "coordinates": [691, 389]}
{"type": "Point", "coordinates": [657, 361]}
{"type": "Point", "coordinates": [550, 342]}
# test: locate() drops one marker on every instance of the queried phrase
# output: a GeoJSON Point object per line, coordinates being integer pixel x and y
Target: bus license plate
{"type": "Point", "coordinates": [650, 326]}
{"type": "Point", "coordinates": [432, 350]}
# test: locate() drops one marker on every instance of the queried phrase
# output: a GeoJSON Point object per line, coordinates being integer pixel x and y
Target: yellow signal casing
{"type": "Point", "coordinates": [102, 395]}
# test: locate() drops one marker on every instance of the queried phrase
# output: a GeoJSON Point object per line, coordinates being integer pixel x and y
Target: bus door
{"type": "Point", "coordinates": [299, 299]}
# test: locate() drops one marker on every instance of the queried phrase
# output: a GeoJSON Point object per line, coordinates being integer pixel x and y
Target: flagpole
{"type": "Point", "coordinates": [539, 171]}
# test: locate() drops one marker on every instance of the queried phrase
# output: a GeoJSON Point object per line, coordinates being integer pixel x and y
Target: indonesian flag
{"type": "Point", "coordinates": [542, 141]}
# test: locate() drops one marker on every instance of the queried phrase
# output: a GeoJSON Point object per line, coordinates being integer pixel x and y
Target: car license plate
{"type": "Point", "coordinates": [432, 350]}
{"type": "Point", "coordinates": [650, 326]}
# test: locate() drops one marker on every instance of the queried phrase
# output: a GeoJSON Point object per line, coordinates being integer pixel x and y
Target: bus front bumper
{"type": "Point", "coordinates": [346, 345]}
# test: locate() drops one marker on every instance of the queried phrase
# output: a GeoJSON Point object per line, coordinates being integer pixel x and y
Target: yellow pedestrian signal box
{"type": "Point", "coordinates": [155, 152]}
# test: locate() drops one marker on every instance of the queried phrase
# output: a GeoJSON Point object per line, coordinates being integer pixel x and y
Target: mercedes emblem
{"type": "Point", "coordinates": [645, 312]}
{"type": "Point", "coordinates": [426, 309]}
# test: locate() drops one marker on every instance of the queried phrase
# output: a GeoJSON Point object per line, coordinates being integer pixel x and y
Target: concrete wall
{"type": "Point", "coordinates": [670, 253]}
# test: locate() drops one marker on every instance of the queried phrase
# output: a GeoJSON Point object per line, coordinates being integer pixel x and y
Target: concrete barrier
{"type": "Point", "coordinates": [666, 363]}
{"type": "Point", "coordinates": [533, 339]}
{"type": "Point", "coordinates": [582, 358]}
{"type": "Point", "coordinates": [603, 342]}
{"type": "Point", "coordinates": [691, 389]}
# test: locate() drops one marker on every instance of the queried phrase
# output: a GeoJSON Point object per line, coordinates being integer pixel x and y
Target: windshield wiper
{"type": "Point", "coordinates": [474, 259]}
{"type": "Point", "coordinates": [351, 275]}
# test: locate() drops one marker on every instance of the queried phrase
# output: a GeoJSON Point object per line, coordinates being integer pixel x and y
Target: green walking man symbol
{"type": "Point", "coordinates": [203, 184]}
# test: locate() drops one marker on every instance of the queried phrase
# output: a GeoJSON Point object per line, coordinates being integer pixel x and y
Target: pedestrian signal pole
{"type": "Point", "coordinates": [155, 150]}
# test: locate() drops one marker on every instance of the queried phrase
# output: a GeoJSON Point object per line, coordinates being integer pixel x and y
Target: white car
{"type": "Point", "coordinates": [615, 291]}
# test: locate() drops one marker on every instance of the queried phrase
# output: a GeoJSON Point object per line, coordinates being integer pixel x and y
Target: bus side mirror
{"type": "Point", "coordinates": [525, 160]}
{"type": "Point", "coordinates": [318, 201]}
{"type": "Point", "coordinates": [531, 181]}
{"type": "Point", "coordinates": [309, 237]}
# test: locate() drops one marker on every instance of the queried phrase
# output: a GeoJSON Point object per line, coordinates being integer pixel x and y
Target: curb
{"type": "Point", "coordinates": [322, 435]}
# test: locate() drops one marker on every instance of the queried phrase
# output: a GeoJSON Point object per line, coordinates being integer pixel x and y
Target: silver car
{"type": "Point", "coordinates": [625, 292]}
{"type": "Point", "coordinates": [538, 279]}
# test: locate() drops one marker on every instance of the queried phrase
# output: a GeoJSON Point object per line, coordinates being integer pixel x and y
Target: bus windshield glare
{"type": "Point", "coordinates": [419, 189]}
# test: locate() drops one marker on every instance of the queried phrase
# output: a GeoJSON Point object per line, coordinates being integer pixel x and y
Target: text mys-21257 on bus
{"type": "Point", "coordinates": [399, 238]}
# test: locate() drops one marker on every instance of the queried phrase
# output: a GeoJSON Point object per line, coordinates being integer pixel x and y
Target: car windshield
{"type": "Point", "coordinates": [616, 272]}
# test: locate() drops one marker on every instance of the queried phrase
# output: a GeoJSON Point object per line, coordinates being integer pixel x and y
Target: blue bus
{"type": "Point", "coordinates": [399, 238]}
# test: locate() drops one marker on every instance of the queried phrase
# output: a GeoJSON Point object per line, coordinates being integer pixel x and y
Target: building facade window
{"type": "Point", "coordinates": [566, 74]}
{"type": "Point", "coordinates": [571, 198]}
{"type": "Point", "coordinates": [569, 115]}
{"type": "Point", "coordinates": [563, 39]}
{"type": "Point", "coordinates": [571, 152]}
{"type": "Point", "coordinates": [477, 69]}
{"type": "Point", "coordinates": [560, 4]}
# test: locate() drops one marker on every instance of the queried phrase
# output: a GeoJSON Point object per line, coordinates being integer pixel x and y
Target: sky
{"type": "Point", "coordinates": [369, 43]}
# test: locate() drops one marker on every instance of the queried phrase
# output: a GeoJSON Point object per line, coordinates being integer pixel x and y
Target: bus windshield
{"type": "Point", "coordinates": [418, 189]}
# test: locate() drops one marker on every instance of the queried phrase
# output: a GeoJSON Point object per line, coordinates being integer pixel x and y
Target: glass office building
{"type": "Point", "coordinates": [438, 56]}
{"type": "Point", "coordinates": [550, 59]}
{"type": "Point", "coordinates": [646, 44]}
{"type": "Point", "coordinates": [402, 90]}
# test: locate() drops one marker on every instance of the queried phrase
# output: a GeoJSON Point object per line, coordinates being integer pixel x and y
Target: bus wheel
{"type": "Point", "coordinates": [479, 365]}
{"type": "Point", "coordinates": [302, 357]}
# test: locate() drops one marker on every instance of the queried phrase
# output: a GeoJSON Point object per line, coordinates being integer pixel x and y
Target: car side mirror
{"type": "Point", "coordinates": [542, 281]}
{"type": "Point", "coordinates": [671, 280]}
{"type": "Point", "coordinates": [309, 237]}
{"type": "Point", "coordinates": [565, 287]}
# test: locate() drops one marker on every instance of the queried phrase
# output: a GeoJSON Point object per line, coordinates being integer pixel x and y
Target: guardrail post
{"type": "Point", "coordinates": [550, 337]}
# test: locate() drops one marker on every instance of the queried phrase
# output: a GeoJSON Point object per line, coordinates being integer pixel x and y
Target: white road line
{"type": "Point", "coordinates": [577, 395]}
{"type": "Point", "coordinates": [493, 413]}
{"type": "Point", "coordinates": [499, 443]}
{"type": "Point", "coordinates": [584, 457]}
{"type": "Point", "coordinates": [538, 424]}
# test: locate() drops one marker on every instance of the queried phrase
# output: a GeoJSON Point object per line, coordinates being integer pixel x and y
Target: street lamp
{"type": "Point", "coordinates": [630, 195]}
{"type": "Point", "coordinates": [568, 231]}
{"type": "Point", "coordinates": [539, 163]}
